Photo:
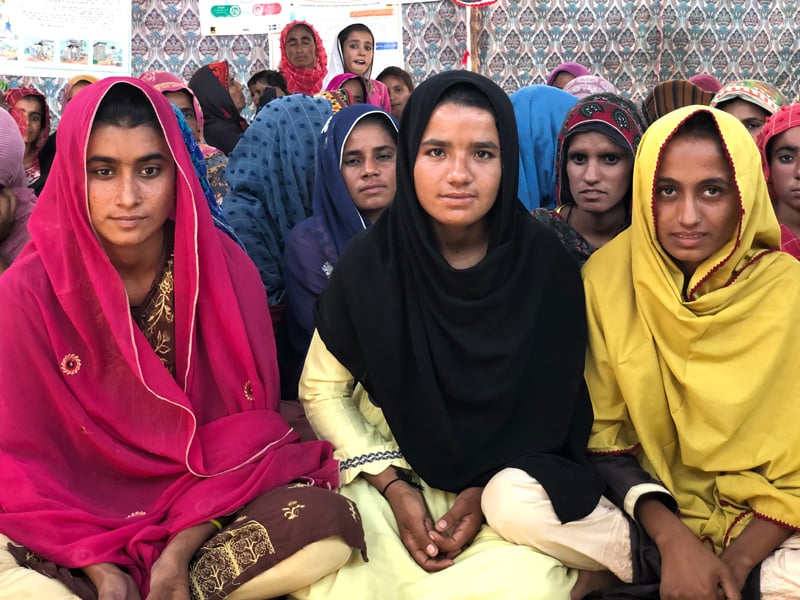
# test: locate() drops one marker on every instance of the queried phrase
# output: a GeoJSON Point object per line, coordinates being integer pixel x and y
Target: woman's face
{"type": "Point", "coordinates": [457, 169]}
{"type": "Point", "coordinates": [236, 90]}
{"type": "Point", "coordinates": [398, 94]}
{"type": "Point", "coordinates": [599, 172]}
{"type": "Point", "coordinates": [562, 79]}
{"type": "Point", "coordinates": [356, 90]}
{"type": "Point", "coordinates": [31, 109]}
{"type": "Point", "coordinates": [784, 169]}
{"type": "Point", "coordinates": [368, 168]}
{"type": "Point", "coordinates": [696, 201]}
{"type": "Point", "coordinates": [357, 52]}
{"type": "Point", "coordinates": [301, 50]}
{"type": "Point", "coordinates": [752, 117]}
{"type": "Point", "coordinates": [184, 104]}
{"type": "Point", "coordinates": [130, 178]}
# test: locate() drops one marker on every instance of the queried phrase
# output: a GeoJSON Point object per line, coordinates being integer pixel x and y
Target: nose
{"type": "Point", "coordinates": [459, 173]}
{"type": "Point", "coordinates": [128, 194]}
{"type": "Point", "coordinates": [688, 212]}
{"type": "Point", "coordinates": [370, 167]}
{"type": "Point", "coordinates": [592, 172]}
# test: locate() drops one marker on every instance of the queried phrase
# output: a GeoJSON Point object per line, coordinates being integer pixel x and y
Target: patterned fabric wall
{"type": "Point", "coordinates": [632, 43]}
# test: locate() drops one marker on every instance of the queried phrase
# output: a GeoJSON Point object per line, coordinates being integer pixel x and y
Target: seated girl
{"type": "Point", "coordinates": [160, 464]}
{"type": "Point", "coordinates": [594, 168]}
{"type": "Point", "coordinates": [692, 368]}
{"type": "Point", "coordinates": [437, 362]}
{"type": "Point", "coordinates": [779, 143]}
{"type": "Point", "coordinates": [355, 181]}
{"type": "Point", "coordinates": [354, 52]}
{"type": "Point", "coordinates": [29, 108]}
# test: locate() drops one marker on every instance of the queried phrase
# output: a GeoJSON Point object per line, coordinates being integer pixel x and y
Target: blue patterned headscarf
{"type": "Point", "coordinates": [271, 178]}
{"type": "Point", "coordinates": [540, 111]}
{"type": "Point", "coordinates": [202, 174]}
{"type": "Point", "coordinates": [332, 201]}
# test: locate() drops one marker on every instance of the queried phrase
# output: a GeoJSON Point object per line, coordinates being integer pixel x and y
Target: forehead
{"type": "Point", "coordinates": [392, 81]}
{"type": "Point", "coordinates": [179, 98]}
{"type": "Point", "coordinates": [114, 141]}
{"type": "Point", "coordinates": [592, 140]}
{"type": "Point", "coordinates": [368, 134]}
{"type": "Point", "coordinates": [358, 36]}
{"type": "Point", "coordinates": [709, 158]}
{"type": "Point", "coordinates": [740, 107]}
{"type": "Point", "coordinates": [300, 32]}
{"type": "Point", "coordinates": [29, 104]}
{"type": "Point", "coordinates": [790, 137]}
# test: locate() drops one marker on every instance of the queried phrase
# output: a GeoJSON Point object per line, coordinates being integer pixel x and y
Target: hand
{"type": "Point", "coordinates": [169, 580]}
{"type": "Point", "coordinates": [112, 583]}
{"type": "Point", "coordinates": [8, 211]}
{"type": "Point", "coordinates": [456, 529]}
{"type": "Point", "coordinates": [414, 524]}
{"type": "Point", "coordinates": [690, 571]}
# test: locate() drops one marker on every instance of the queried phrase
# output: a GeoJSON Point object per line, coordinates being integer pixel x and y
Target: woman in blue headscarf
{"type": "Point", "coordinates": [540, 111]}
{"type": "Point", "coordinates": [355, 181]}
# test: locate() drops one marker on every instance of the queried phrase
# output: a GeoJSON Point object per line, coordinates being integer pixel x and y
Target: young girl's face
{"type": "Point", "coordinates": [31, 108]}
{"type": "Point", "coordinates": [358, 52]}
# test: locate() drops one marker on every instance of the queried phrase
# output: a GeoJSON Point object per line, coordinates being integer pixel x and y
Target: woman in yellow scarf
{"type": "Point", "coordinates": [693, 367]}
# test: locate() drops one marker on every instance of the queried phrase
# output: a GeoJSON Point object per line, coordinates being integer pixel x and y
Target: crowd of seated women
{"type": "Point", "coordinates": [396, 342]}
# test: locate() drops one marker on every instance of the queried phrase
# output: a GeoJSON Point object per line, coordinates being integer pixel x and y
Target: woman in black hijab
{"type": "Point", "coordinates": [450, 345]}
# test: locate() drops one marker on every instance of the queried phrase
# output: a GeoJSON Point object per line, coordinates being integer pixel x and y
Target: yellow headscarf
{"type": "Point", "coordinates": [705, 389]}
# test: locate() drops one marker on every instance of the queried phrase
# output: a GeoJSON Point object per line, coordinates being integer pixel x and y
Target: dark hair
{"type": "Point", "coordinates": [700, 125]}
{"type": "Point", "coordinates": [378, 119]}
{"type": "Point", "coordinates": [342, 37]}
{"type": "Point", "coordinates": [126, 106]}
{"type": "Point", "coordinates": [400, 74]}
{"type": "Point", "coordinates": [465, 94]}
{"type": "Point", "coordinates": [270, 78]}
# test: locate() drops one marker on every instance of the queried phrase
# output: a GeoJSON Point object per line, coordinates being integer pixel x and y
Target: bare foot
{"type": "Point", "coordinates": [112, 583]}
{"type": "Point", "coordinates": [592, 581]}
{"type": "Point", "coordinates": [169, 580]}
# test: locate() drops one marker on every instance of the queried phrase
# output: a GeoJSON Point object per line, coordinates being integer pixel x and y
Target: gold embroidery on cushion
{"type": "Point", "coordinates": [226, 556]}
{"type": "Point", "coordinates": [291, 511]}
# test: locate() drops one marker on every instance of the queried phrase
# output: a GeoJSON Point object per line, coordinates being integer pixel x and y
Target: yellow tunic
{"type": "Point", "coordinates": [489, 568]}
{"type": "Point", "coordinates": [705, 389]}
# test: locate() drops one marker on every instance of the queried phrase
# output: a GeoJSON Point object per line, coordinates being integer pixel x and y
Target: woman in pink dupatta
{"type": "Point", "coordinates": [121, 459]}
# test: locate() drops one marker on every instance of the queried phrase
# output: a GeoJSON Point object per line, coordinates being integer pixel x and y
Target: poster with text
{"type": "Point", "coordinates": [242, 17]}
{"type": "Point", "coordinates": [61, 38]}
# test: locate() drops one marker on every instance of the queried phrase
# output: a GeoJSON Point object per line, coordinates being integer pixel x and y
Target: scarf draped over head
{"type": "Point", "coordinates": [613, 116]}
{"type": "Point", "coordinates": [166, 82]}
{"type": "Point", "coordinates": [299, 79]}
{"type": "Point", "coordinates": [339, 99]}
{"type": "Point", "coordinates": [125, 455]}
{"type": "Point", "coordinates": [223, 125]}
{"type": "Point", "coordinates": [786, 117]}
{"type": "Point", "coordinates": [671, 95]}
{"type": "Point", "coordinates": [706, 82]}
{"type": "Point", "coordinates": [471, 371]}
{"type": "Point", "coordinates": [82, 78]}
{"type": "Point", "coordinates": [756, 92]}
{"type": "Point", "coordinates": [539, 112]}
{"type": "Point", "coordinates": [12, 176]}
{"type": "Point", "coordinates": [586, 85]}
{"type": "Point", "coordinates": [576, 69]}
{"type": "Point", "coordinates": [375, 92]}
{"type": "Point", "coordinates": [271, 180]}
{"type": "Point", "coordinates": [701, 387]}
{"type": "Point", "coordinates": [15, 95]}
{"type": "Point", "coordinates": [332, 200]}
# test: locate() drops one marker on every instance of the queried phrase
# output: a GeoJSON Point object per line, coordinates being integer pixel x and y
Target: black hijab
{"type": "Point", "coordinates": [223, 124]}
{"type": "Point", "coordinates": [475, 369]}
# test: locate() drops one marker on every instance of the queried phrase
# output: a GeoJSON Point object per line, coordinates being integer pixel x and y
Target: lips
{"type": "Point", "coordinates": [688, 239]}
{"type": "Point", "coordinates": [372, 189]}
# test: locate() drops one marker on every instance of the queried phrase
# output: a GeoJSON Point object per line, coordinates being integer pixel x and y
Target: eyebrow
{"type": "Point", "coordinates": [785, 148]}
{"type": "Point", "coordinates": [709, 181]}
{"type": "Point", "coordinates": [478, 144]}
{"type": "Point", "coordinates": [112, 160]}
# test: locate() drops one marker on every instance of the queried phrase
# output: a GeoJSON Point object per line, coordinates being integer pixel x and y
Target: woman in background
{"type": "Point", "coordinates": [29, 108]}
{"type": "Point", "coordinates": [354, 52]}
{"type": "Point", "coordinates": [594, 172]}
{"type": "Point", "coordinates": [221, 99]}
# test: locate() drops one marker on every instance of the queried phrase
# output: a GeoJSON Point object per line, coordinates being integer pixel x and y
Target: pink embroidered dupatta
{"type": "Point", "coordinates": [103, 455]}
